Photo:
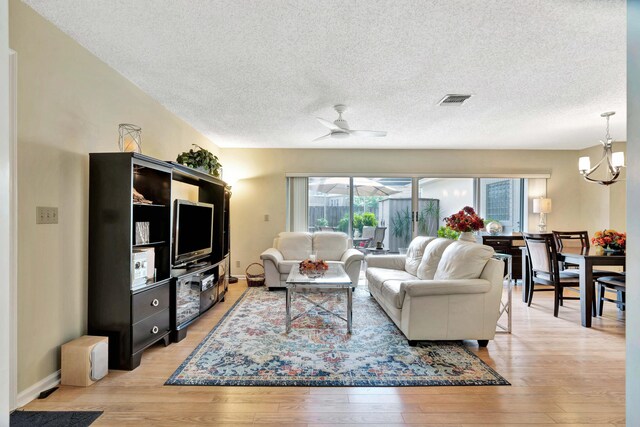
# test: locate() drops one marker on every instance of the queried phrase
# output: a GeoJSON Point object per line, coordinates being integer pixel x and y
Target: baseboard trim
{"type": "Point", "coordinates": [33, 391]}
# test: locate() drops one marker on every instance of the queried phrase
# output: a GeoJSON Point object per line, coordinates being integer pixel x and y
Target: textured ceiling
{"type": "Point", "coordinates": [255, 73]}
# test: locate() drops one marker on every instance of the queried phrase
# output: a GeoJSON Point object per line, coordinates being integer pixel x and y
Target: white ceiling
{"type": "Point", "coordinates": [255, 73]}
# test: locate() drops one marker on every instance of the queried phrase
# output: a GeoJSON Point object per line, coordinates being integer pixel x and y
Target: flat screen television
{"type": "Point", "coordinates": [193, 232]}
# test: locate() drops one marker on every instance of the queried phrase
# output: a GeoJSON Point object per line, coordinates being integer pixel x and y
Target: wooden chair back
{"type": "Point", "coordinates": [543, 255]}
{"type": "Point", "coordinates": [571, 239]}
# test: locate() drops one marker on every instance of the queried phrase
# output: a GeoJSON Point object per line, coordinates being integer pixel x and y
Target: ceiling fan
{"type": "Point", "coordinates": [340, 128]}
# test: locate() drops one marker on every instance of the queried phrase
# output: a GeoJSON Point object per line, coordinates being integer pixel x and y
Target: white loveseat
{"type": "Point", "coordinates": [441, 290]}
{"type": "Point", "coordinates": [289, 248]}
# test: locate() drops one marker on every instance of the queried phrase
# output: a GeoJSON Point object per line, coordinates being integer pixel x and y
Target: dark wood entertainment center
{"type": "Point", "coordinates": [135, 317]}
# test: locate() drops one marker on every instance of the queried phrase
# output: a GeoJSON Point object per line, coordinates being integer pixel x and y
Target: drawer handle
{"type": "Point", "coordinates": [155, 302]}
{"type": "Point", "coordinates": [154, 330]}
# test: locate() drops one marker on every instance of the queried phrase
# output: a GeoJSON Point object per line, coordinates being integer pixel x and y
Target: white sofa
{"type": "Point", "coordinates": [289, 248]}
{"type": "Point", "coordinates": [441, 290]}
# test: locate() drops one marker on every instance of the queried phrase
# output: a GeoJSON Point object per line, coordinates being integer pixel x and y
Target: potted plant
{"type": "Point", "coordinates": [202, 160]}
{"type": "Point", "coordinates": [610, 240]}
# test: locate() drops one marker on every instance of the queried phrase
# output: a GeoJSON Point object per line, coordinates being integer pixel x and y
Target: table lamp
{"type": "Point", "coordinates": [542, 206]}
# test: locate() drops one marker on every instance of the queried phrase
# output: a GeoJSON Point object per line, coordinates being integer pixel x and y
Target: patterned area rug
{"type": "Point", "coordinates": [249, 347]}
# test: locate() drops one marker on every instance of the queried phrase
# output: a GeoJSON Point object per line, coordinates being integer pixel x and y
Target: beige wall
{"type": "Point", "coordinates": [262, 187]}
{"type": "Point", "coordinates": [69, 104]}
{"type": "Point", "coordinates": [602, 206]}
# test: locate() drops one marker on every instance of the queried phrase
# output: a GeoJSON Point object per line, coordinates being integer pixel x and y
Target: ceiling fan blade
{"type": "Point", "coordinates": [377, 133]}
{"type": "Point", "coordinates": [322, 137]}
{"type": "Point", "coordinates": [328, 124]}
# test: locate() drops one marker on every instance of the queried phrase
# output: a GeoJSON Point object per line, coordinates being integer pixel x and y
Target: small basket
{"type": "Point", "coordinates": [256, 277]}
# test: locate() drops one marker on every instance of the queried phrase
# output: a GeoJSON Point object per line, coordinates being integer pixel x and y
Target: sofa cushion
{"type": "Point", "coordinates": [431, 258]}
{"type": "Point", "coordinates": [330, 246]}
{"type": "Point", "coordinates": [377, 276]}
{"type": "Point", "coordinates": [463, 260]}
{"type": "Point", "coordinates": [392, 293]}
{"type": "Point", "coordinates": [414, 253]}
{"type": "Point", "coordinates": [294, 245]}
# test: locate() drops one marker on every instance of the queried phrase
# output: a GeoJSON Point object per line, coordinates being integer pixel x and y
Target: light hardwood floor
{"type": "Point", "coordinates": [561, 373]}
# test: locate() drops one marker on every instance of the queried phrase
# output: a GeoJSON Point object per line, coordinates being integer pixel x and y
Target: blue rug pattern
{"type": "Point", "coordinates": [249, 347]}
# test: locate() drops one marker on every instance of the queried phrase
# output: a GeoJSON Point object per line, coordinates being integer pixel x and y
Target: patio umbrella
{"type": "Point", "coordinates": [361, 187]}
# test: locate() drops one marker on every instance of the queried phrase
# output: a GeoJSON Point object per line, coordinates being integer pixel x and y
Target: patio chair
{"type": "Point", "coordinates": [363, 241]}
{"type": "Point", "coordinates": [378, 236]}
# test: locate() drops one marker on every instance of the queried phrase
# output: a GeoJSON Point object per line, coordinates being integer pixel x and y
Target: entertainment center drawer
{"type": "Point", "coordinates": [150, 302]}
{"type": "Point", "coordinates": [150, 330]}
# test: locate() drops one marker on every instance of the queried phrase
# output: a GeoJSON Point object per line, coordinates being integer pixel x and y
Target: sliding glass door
{"type": "Point", "coordinates": [440, 197]}
{"type": "Point", "coordinates": [382, 212]}
{"type": "Point", "coordinates": [393, 210]}
{"type": "Point", "coordinates": [329, 204]}
{"type": "Point", "coordinates": [502, 200]}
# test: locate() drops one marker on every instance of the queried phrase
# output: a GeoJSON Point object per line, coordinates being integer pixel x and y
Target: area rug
{"type": "Point", "coordinates": [53, 418]}
{"type": "Point", "coordinates": [249, 347]}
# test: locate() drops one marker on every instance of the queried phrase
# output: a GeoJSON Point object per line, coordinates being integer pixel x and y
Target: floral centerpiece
{"type": "Point", "coordinates": [610, 240]}
{"type": "Point", "coordinates": [313, 268]}
{"type": "Point", "coordinates": [465, 222]}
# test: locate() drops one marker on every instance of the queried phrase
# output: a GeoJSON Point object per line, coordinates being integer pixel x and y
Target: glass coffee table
{"type": "Point", "coordinates": [334, 280]}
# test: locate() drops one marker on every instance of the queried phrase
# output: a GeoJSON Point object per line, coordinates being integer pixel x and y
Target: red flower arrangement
{"type": "Point", "coordinates": [610, 239]}
{"type": "Point", "coordinates": [313, 269]}
{"type": "Point", "coordinates": [466, 220]}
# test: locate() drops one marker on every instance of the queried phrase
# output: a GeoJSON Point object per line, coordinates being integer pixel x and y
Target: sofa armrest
{"type": "Point", "coordinates": [419, 288]}
{"type": "Point", "coordinates": [272, 254]}
{"type": "Point", "coordinates": [350, 256]}
{"type": "Point", "coordinates": [392, 262]}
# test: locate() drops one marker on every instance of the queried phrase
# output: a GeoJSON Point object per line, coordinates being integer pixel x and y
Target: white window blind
{"type": "Point", "coordinates": [297, 203]}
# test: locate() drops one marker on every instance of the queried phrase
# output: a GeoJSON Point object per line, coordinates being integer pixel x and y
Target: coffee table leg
{"type": "Point", "coordinates": [288, 310]}
{"type": "Point", "coordinates": [349, 307]}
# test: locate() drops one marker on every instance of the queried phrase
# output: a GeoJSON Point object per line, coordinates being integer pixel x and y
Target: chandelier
{"type": "Point", "coordinates": [614, 162]}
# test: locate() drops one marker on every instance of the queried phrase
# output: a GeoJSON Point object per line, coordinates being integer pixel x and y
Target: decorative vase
{"type": "Point", "coordinates": [129, 138]}
{"type": "Point", "coordinates": [467, 236]}
{"type": "Point", "coordinates": [610, 250]}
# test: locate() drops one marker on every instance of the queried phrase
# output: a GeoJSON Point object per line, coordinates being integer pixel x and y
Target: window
{"type": "Point", "coordinates": [499, 200]}
{"type": "Point", "coordinates": [395, 209]}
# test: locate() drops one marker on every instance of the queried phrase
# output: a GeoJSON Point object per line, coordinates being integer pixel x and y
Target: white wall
{"type": "Point", "coordinates": [69, 105]}
{"type": "Point", "coordinates": [5, 309]}
{"type": "Point", "coordinates": [633, 207]}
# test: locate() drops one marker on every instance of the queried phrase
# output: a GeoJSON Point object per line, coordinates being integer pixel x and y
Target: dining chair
{"type": "Point", "coordinates": [577, 239]}
{"type": "Point", "coordinates": [615, 284]}
{"type": "Point", "coordinates": [545, 269]}
{"type": "Point", "coordinates": [571, 239]}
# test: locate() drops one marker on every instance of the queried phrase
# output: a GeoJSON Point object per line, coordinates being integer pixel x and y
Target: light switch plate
{"type": "Point", "coordinates": [238, 264]}
{"type": "Point", "coordinates": [266, 217]}
{"type": "Point", "coordinates": [45, 215]}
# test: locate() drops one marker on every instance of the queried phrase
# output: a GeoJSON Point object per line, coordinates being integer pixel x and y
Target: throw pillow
{"type": "Point", "coordinates": [463, 260]}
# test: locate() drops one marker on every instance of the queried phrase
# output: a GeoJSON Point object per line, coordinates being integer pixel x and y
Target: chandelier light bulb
{"type": "Point", "coordinates": [617, 159]}
{"type": "Point", "coordinates": [584, 164]}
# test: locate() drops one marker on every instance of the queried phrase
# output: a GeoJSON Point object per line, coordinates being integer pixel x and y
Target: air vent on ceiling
{"type": "Point", "coordinates": [454, 99]}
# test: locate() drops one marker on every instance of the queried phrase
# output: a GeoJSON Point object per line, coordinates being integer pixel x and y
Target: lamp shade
{"type": "Point", "coordinates": [617, 159]}
{"type": "Point", "coordinates": [541, 205]}
{"type": "Point", "coordinates": [584, 163]}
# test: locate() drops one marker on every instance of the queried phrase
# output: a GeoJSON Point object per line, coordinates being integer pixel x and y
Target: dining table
{"type": "Point", "coordinates": [585, 259]}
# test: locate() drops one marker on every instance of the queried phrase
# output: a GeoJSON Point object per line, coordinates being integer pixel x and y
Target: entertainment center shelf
{"type": "Point", "coordinates": [136, 296]}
